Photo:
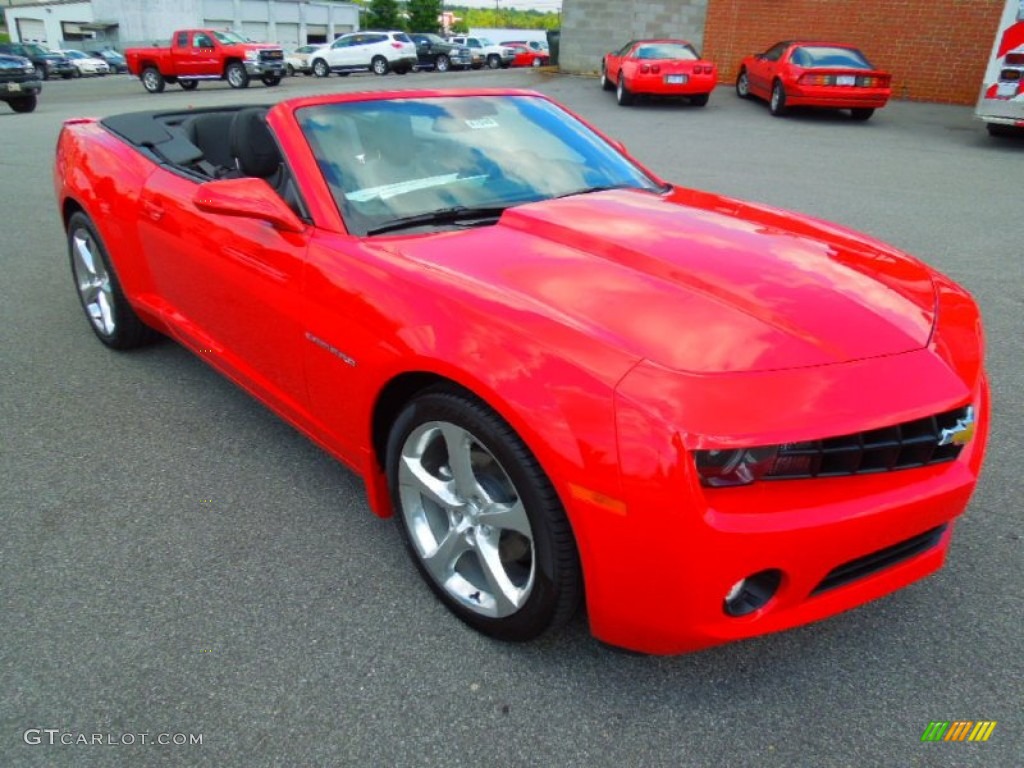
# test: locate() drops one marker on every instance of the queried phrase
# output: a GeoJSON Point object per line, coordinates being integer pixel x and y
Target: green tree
{"type": "Point", "coordinates": [383, 14]}
{"type": "Point", "coordinates": [423, 15]}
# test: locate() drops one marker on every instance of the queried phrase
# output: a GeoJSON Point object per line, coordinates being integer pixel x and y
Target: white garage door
{"type": "Point", "coordinates": [31, 30]}
{"type": "Point", "coordinates": [288, 35]}
{"type": "Point", "coordinates": [255, 30]}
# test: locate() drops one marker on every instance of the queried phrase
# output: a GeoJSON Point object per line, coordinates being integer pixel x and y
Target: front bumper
{"type": "Point", "coordinates": [661, 556]}
{"type": "Point", "coordinates": [14, 90]}
{"type": "Point", "coordinates": [259, 68]}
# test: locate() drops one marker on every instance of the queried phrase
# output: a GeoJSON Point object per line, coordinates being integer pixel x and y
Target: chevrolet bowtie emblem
{"type": "Point", "coordinates": [961, 432]}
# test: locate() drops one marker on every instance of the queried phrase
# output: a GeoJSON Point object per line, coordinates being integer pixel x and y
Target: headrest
{"type": "Point", "coordinates": [253, 145]}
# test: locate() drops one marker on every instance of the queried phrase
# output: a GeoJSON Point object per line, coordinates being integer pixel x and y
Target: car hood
{"type": "Point", "coordinates": [697, 282]}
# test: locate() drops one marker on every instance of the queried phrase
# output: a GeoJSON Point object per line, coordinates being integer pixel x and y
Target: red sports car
{"type": "Point", "coordinates": [658, 68]}
{"type": "Point", "coordinates": [810, 74]}
{"type": "Point", "coordinates": [566, 378]}
{"type": "Point", "coordinates": [527, 56]}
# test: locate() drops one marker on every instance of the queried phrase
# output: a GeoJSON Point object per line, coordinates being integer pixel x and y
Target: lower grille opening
{"type": "Point", "coordinates": [883, 558]}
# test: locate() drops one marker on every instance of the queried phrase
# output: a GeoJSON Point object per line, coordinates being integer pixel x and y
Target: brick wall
{"type": "Point", "coordinates": [936, 49]}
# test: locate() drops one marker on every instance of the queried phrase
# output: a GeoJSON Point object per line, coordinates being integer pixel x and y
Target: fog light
{"type": "Point", "coordinates": [752, 593]}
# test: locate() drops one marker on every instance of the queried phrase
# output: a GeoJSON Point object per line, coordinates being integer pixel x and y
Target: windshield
{"type": "Point", "coordinates": [35, 49]}
{"type": "Point", "coordinates": [391, 160]}
{"type": "Point", "coordinates": [829, 56]}
{"type": "Point", "coordinates": [230, 38]}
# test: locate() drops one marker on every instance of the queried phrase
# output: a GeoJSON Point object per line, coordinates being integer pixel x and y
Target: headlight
{"type": "Point", "coordinates": [252, 55]}
{"type": "Point", "coordinates": [740, 466]}
{"type": "Point", "coordinates": [30, 68]}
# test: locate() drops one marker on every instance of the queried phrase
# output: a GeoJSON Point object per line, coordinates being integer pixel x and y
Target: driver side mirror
{"type": "Point", "coordinates": [247, 198]}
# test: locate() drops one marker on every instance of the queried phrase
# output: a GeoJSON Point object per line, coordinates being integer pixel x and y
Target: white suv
{"type": "Point", "coordinates": [484, 51]}
{"type": "Point", "coordinates": [378, 52]}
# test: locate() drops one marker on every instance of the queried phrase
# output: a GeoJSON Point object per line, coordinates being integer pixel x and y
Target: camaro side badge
{"type": "Point", "coordinates": [961, 432]}
{"type": "Point", "coordinates": [332, 349]}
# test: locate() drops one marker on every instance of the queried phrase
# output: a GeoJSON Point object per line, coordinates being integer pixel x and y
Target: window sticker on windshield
{"type": "Point", "coordinates": [482, 123]}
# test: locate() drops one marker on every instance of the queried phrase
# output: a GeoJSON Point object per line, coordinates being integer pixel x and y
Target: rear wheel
{"type": "Point", "coordinates": [236, 75]}
{"type": "Point", "coordinates": [777, 103]}
{"type": "Point", "coordinates": [320, 68]}
{"type": "Point", "coordinates": [152, 80]}
{"type": "Point", "coordinates": [480, 518]}
{"type": "Point", "coordinates": [622, 94]}
{"type": "Point", "coordinates": [188, 85]}
{"type": "Point", "coordinates": [24, 103]}
{"type": "Point", "coordinates": [863, 113]}
{"type": "Point", "coordinates": [743, 85]}
{"type": "Point", "coordinates": [442, 64]}
{"type": "Point", "coordinates": [110, 315]}
{"type": "Point", "coordinates": [700, 100]}
{"type": "Point", "coordinates": [379, 65]}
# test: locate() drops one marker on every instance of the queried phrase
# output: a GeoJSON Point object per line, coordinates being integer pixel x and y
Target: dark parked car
{"type": "Point", "coordinates": [19, 82]}
{"type": "Point", "coordinates": [116, 60]}
{"type": "Point", "coordinates": [45, 61]}
{"type": "Point", "coordinates": [433, 52]}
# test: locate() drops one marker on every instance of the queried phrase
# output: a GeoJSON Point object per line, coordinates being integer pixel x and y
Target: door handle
{"type": "Point", "coordinates": [154, 211]}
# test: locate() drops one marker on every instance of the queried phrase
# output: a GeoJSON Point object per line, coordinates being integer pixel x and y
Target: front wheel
{"type": "Point", "coordinates": [44, 72]}
{"type": "Point", "coordinates": [25, 103]}
{"type": "Point", "coordinates": [442, 64]}
{"type": "Point", "coordinates": [236, 75]}
{"type": "Point", "coordinates": [777, 103]}
{"type": "Point", "coordinates": [494, 61]}
{"type": "Point", "coordinates": [379, 65]}
{"type": "Point", "coordinates": [622, 94]}
{"type": "Point", "coordinates": [320, 68]}
{"type": "Point", "coordinates": [188, 85]}
{"type": "Point", "coordinates": [152, 80]}
{"type": "Point", "coordinates": [289, 70]}
{"type": "Point", "coordinates": [271, 80]}
{"type": "Point", "coordinates": [110, 315]}
{"type": "Point", "coordinates": [480, 518]}
{"type": "Point", "coordinates": [743, 85]}
{"type": "Point", "coordinates": [862, 113]}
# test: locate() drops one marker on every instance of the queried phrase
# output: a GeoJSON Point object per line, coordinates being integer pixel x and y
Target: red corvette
{"type": "Point", "coordinates": [566, 378]}
{"type": "Point", "coordinates": [810, 74]}
{"type": "Point", "coordinates": [658, 68]}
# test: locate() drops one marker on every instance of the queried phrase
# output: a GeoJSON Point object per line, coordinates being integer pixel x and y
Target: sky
{"type": "Point", "coordinates": [522, 5]}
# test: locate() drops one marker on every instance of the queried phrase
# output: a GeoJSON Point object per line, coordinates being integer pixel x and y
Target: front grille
{"type": "Point", "coordinates": [902, 446]}
{"type": "Point", "coordinates": [272, 54]}
{"type": "Point", "coordinates": [883, 558]}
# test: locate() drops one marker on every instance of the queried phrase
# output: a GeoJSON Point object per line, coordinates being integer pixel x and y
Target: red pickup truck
{"type": "Point", "coordinates": [206, 54]}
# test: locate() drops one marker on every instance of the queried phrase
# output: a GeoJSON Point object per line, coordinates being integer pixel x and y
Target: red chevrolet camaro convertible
{"type": "Point", "coordinates": [566, 378]}
{"type": "Point", "coordinates": [658, 68]}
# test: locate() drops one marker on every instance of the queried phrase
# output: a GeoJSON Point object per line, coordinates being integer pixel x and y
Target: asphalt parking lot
{"type": "Point", "coordinates": [174, 559]}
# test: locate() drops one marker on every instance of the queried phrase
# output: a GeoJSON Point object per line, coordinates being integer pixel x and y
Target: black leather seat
{"type": "Point", "coordinates": [256, 153]}
{"type": "Point", "coordinates": [211, 133]}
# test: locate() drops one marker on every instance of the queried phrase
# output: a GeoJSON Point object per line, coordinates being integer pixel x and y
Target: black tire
{"type": "Point", "coordinates": [379, 65]}
{"type": "Point", "coordinates": [606, 83]}
{"type": "Point", "coordinates": [152, 80]}
{"type": "Point", "coordinates": [537, 557]}
{"type": "Point", "coordinates": [700, 99]}
{"type": "Point", "coordinates": [862, 113]}
{"type": "Point", "coordinates": [743, 84]}
{"type": "Point", "coordinates": [777, 102]}
{"type": "Point", "coordinates": [289, 70]}
{"type": "Point", "coordinates": [493, 61]}
{"type": "Point", "coordinates": [320, 68]}
{"type": "Point", "coordinates": [188, 85]}
{"type": "Point", "coordinates": [236, 75]}
{"type": "Point", "coordinates": [44, 72]}
{"type": "Point", "coordinates": [24, 103]}
{"type": "Point", "coordinates": [622, 94]}
{"type": "Point", "coordinates": [1000, 131]}
{"type": "Point", "coordinates": [112, 318]}
{"type": "Point", "coordinates": [73, 73]}
{"type": "Point", "coordinates": [270, 80]}
{"type": "Point", "coordinates": [442, 63]}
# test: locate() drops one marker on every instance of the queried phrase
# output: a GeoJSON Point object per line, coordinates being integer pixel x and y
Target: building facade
{"type": "Point", "coordinates": [124, 23]}
{"type": "Point", "coordinates": [936, 50]}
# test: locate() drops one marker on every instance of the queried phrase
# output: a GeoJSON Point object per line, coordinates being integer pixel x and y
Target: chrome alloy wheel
{"type": "Point", "coordinates": [93, 280]}
{"type": "Point", "coordinates": [466, 519]}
